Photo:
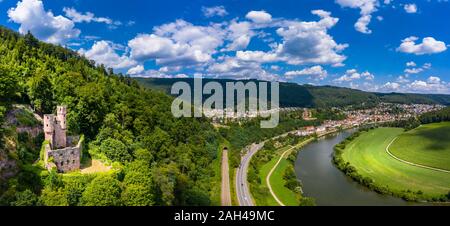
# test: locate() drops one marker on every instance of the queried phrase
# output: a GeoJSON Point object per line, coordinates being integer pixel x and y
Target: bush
{"type": "Point", "coordinates": [115, 150]}
{"type": "Point", "coordinates": [307, 201]}
{"type": "Point", "coordinates": [50, 197]}
{"type": "Point", "coordinates": [102, 191]}
{"type": "Point", "coordinates": [25, 198]}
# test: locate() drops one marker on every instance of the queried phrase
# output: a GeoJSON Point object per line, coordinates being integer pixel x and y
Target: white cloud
{"type": "Point", "coordinates": [410, 8]}
{"type": "Point", "coordinates": [391, 86]}
{"type": "Point", "coordinates": [256, 56]}
{"type": "Point", "coordinates": [434, 80]}
{"type": "Point", "coordinates": [302, 43]}
{"type": "Point", "coordinates": [315, 72]}
{"type": "Point", "coordinates": [31, 16]}
{"type": "Point", "coordinates": [178, 43]}
{"type": "Point", "coordinates": [432, 85]}
{"type": "Point", "coordinates": [88, 17]}
{"type": "Point", "coordinates": [240, 33]}
{"type": "Point", "coordinates": [429, 45]}
{"type": "Point", "coordinates": [136, 70]}
{"type": "Point", "coordinates": [309, 42]}
{"type": "Point", "coordinates": [403, 79]}
{"type": "Point", "coordinates": [238, 69]}
{"type": "Point", "coordinates": [367, 7]}
{"type": "Point", "coordinates": [416, 70]}
{"type": "Point", "coordinates": [361, 24]}
{"type": "Point", "coordinates": [259, 16]}
{"type": "Point", "coordinates": [413, 70]}
{"type": "Point", "coordinates": [214, 11]}
{"type": "Point", "coordinates": [353, 74]}
{"type": "Point", "coordinates": [104, 52]}
{"type": "Point", "coordinates": [411, 64]}
{"type": "Point", "coordinates": [426, 66]}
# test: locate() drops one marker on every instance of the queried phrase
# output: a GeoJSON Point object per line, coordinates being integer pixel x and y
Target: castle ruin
{"type": "Point", "coordinates": [61, 151]}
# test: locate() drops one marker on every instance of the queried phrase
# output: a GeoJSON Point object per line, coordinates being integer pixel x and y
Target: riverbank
{"type": "Point", "coordinates": [272, 177]}
{"type": "Point", "coordinates": [363, 158]}
{"type": "Point", "coordinates": [276, 180]}
{"type": "Point", "coordinates": [325, 183]}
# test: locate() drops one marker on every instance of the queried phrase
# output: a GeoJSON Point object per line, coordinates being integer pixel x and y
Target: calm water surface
{"type": "Point", "coordinates": [327, 184]}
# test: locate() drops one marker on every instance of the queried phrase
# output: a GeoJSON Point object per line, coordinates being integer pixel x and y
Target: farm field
{"type": "Point", "coordinates": [368, 155]}
{"type": "Point", "coordinates": [427, 145]}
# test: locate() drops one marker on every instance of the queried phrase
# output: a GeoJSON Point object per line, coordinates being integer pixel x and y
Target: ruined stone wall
{"type": "Point", "coordinates": [66, 159]}
{"type": "Point", "coordinates": [60, 136]}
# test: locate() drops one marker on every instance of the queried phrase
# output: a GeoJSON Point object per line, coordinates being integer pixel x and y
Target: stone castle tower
{"type": "Point", "coordinates": [55, 128]}
{"type": "Point", "coordinates": [62, 152]}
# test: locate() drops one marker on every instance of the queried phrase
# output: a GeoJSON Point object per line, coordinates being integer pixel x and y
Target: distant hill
{"type": "Point", "coordinates": [295, 95]}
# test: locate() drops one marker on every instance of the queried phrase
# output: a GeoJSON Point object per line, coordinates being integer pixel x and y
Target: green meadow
{"type": "Point", "coordinates": [367, 153]}
{"type": "Point", "coordinates": [427, 145]}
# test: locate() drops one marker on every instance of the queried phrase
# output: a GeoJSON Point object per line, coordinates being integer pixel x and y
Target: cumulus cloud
{"type": "Point", "coordinates": [390, 86]}
{"type": "Point", "coordinates": [256, 56]}
{"type": "Point", "coordinates": [301, 43]}
{"type": "Point", "coordinates": [136, 70]}
{"type": "Point", "coordinates": [259, 16]}
{"type": "Point", "coordinates": [309, 42]}
{"type": "Point", "coordinates": [183, 44]}
{"type": "Point", "coordinates": [411, 64]}
{"type": "Point", "coordinates": [434, 80]}
{"type": "Point", "coordinates": [403, 79]}
{"type": "Point", "coordinates": [429, 45]}
{"type": "Point", "coordinates": [234, 68]}
{"type": "Point", "coordinates": [178, 43]}
{"type": "Point", "coordinates": [104, 52]}
{"type": "Point", "coordinates": [366, 7]}
{"type": "Point", "coordinates": [214, 11]}
{"type": "Point", "coordinates": [88, 17]}
{"type": "Point", "coordinates": [362, 23]}
{"type": "Point", "coordinates": [31, 16]}
{"type": "Point", "coordinates": [315, 72]}
{"type": "Point", "coordinates": [415, 70]}
{"type": "Point", "coordinates": [240, 34]}
{"type": "Point", "coordinates": [433, 84]}
{"type": "Point", "coordinates": [410, 8]}
{"type": "Point", "coordinates": [353, 74]}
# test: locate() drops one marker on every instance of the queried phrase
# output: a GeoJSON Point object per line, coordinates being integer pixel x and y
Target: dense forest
{"type": "Point", "coordinates": [295, 95]}
{"type": "Point", "coordinates": [158, 159]}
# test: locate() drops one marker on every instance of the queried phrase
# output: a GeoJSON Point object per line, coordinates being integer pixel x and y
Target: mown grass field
{"type": "Point", "coordinates": [427, 145]}
{"type": "Point", "coordinates": [263, 172]}
{"type": "Point", "coordinates": [286, 196]}
{"type": "Point", "coordinates": [368, 155]}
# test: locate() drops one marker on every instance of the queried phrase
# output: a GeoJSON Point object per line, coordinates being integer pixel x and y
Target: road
{"type": "Point", "coordinates": [226, 194]}
{"type": "Point", "coordinates": [242, 189]}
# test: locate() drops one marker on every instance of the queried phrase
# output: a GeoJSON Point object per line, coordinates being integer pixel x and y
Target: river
{"type": "Point", "coordinates": [327, 184]}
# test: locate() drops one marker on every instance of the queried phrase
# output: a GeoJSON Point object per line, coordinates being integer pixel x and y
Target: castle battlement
{"type": "Point", "coordinates": [58, 151]}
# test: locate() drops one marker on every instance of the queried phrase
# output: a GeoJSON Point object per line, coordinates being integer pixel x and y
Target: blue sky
{"type": "Point", "coordinates": [375, 45]}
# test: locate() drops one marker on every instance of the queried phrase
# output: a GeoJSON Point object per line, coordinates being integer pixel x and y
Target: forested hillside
{"type": "Point", "coordinates": [295, 95]}
{"type": "Point", "coordinates": [159, 160]}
